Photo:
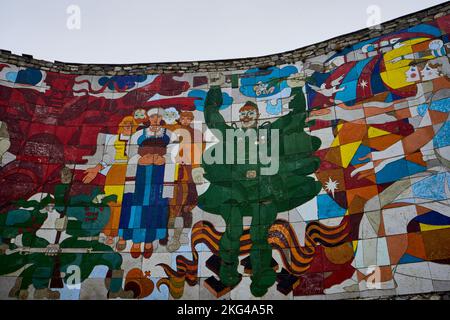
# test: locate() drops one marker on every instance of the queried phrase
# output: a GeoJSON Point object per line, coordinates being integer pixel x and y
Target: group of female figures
{"type": "Point", "coordinates": [152, 180]}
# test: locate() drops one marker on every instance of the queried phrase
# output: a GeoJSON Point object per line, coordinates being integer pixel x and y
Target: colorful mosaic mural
{"type": "Point", "coordinates": [129, 187]}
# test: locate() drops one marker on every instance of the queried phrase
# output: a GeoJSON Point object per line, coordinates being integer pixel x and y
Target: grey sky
{"type": "Point", "coordinates": [128, 31]}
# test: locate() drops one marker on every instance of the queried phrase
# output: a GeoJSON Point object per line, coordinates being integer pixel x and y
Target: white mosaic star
{"type": "Point", "coordinates": [363, 83]}
{"type": "Point", "coordinates": [331, 185]}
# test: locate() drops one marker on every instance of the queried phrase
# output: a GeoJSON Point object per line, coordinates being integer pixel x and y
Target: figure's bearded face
{"type": "Point", "coordinates": [248, 117]}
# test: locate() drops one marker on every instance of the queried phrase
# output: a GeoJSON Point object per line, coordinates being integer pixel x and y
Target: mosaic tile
{"type": "Point", "coordinates": [112, 175]}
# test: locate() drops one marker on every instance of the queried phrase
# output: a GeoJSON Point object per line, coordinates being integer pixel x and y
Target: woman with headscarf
{"type": "Point", "coordinates": [149, 184]}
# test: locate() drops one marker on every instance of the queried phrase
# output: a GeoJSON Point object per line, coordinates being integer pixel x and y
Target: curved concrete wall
{"type": "Point", "coordinates": [139, 181]}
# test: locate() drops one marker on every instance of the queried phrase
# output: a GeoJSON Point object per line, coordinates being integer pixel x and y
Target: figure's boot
{"type": "Point", "coordinates": [263, 275]}
{"type": "Point", "coordinates": [164, 240]}
{"type": "Point", "coordinates": [229, 275]}
{"type": "Point", "coordinates": [113, 282]}
{"type": "Point", "coordinates": [187, 219]}
{"type": "Point", "coordinates": [23, 294]}
{"type": "Point", "coordinates": [148, 250]}
{"type": "Point", "coordinates": [174, 242]}
{"type": "Point", "coordinates": [135, 250]}
{"type": "Point", "coordinates": [46, 293]}
{"type": "Point", "coordinates": [121, 244]}
{"type": "Point", "coordinates": [170, 226]}
{"type": "Point", "coordinates": [121, 294]}
{"type": "Point", "coordinates": [230, 248]}
{"type": "Point", "coordinates": [14, 292]}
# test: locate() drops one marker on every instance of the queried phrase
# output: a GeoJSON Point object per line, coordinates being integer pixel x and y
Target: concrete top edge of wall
{"type": "Point", "coordinates": [335, 44]}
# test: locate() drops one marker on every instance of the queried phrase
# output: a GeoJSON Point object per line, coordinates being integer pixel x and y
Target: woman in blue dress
{"type": "Point", "coordinates": [145, 211]}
